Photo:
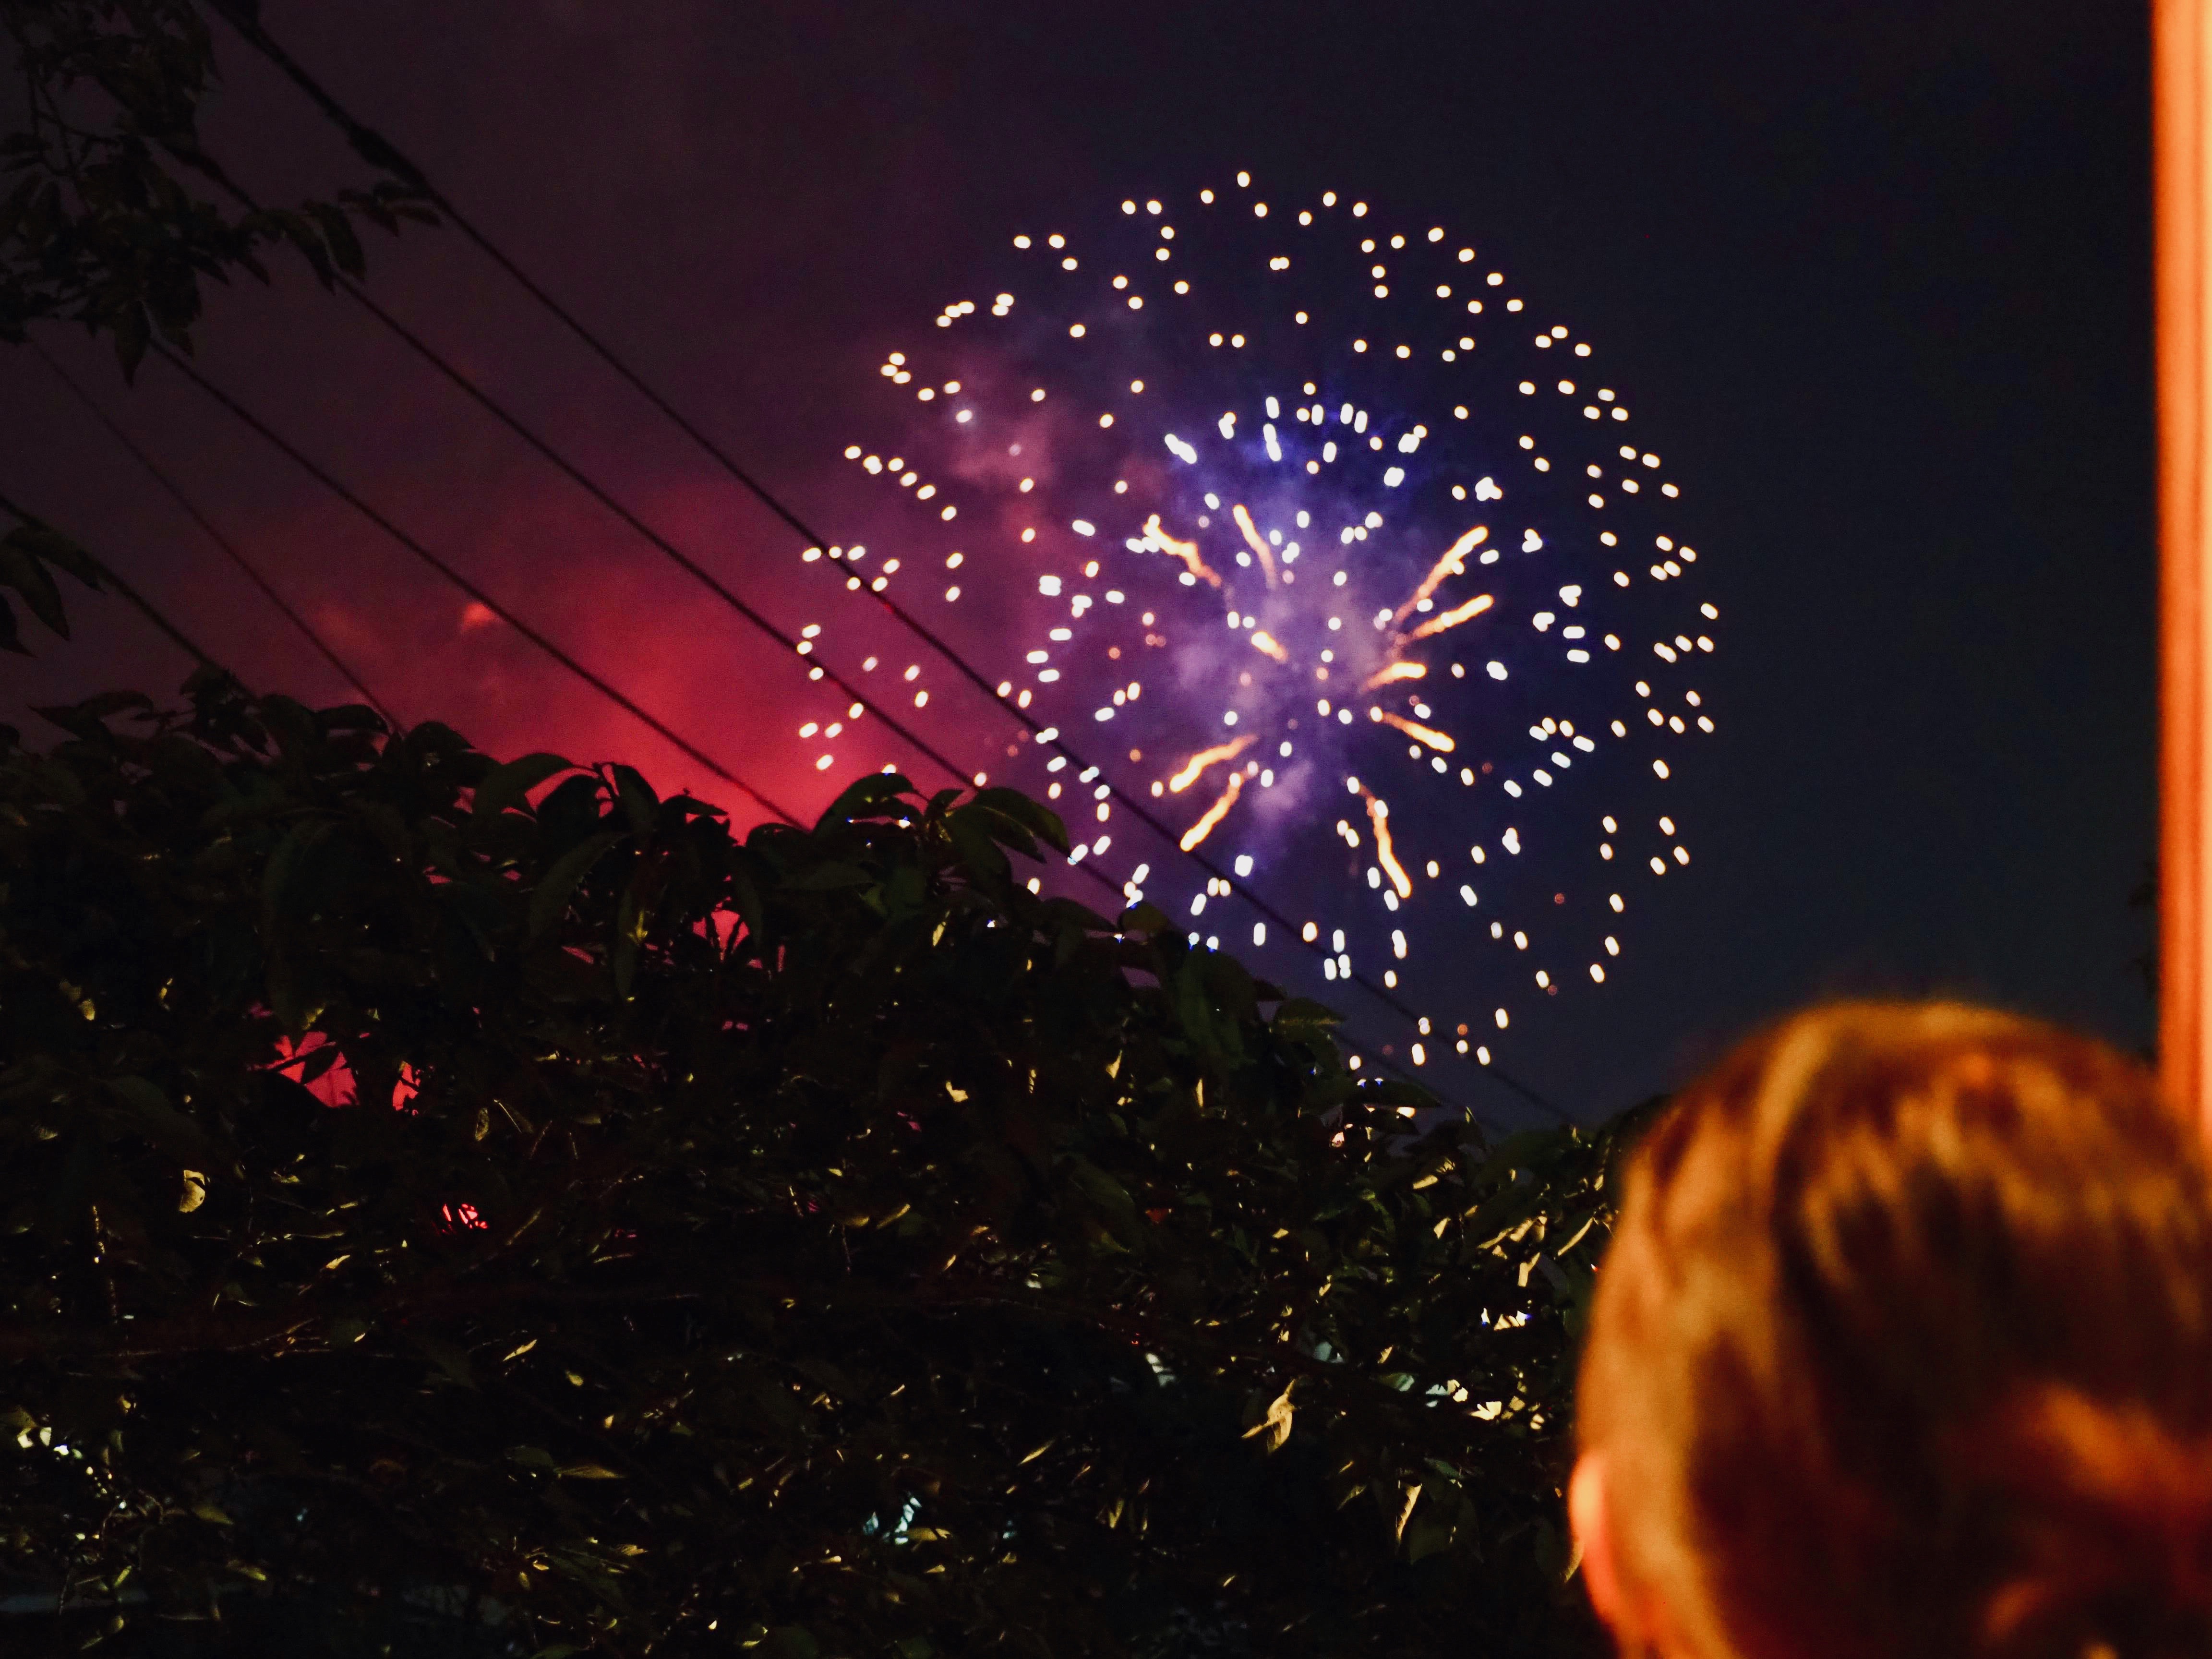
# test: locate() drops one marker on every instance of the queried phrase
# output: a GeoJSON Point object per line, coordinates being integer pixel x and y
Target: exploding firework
{"type": "Point", "coordinates": [1315, 537]}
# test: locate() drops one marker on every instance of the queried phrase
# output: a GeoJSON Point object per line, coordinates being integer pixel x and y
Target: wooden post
{"type": "Point", "coordinates": [2182, 35]}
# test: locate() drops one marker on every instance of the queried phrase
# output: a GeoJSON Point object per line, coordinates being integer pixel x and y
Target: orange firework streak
{"type": "Point", "coordinates": [1454, 563]}
{"type": "Point", "coordinates": [1254, 540]}
{"type": "Point", "coordinates": [1187, 551]}
{"type": "Point", "coordinates": [1467, 612]}
{"type": "Point", "coordinates": [1206, 757]}
{"type": "Point", "coordinates": [1391, 673]}
{"type": "Point", "coordinates": [1199, 831]}
{"type": "Point", "coordinates": [1378, 814]}
{"type": "Point", "coordinates": [1437, 740]}
{"type": "Point", "coordinates": [1266, 643]}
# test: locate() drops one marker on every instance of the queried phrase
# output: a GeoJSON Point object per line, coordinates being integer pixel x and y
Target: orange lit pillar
{"type": "Point", "coordinates": [2182, 32]}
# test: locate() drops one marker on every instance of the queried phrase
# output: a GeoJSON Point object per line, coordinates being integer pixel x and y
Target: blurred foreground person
{"type": "Point", "coordinates": [1904, 1347]}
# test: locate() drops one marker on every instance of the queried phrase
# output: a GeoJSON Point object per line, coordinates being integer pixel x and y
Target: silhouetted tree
{"type": "Point", "coordinates": [614, 1236]}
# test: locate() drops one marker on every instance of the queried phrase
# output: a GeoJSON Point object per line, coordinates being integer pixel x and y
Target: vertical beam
{"type": "Point", "coordinates": [2182, 34]}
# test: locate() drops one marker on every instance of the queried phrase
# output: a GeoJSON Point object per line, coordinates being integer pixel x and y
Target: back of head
{"type": "Point", "coordinates": [1904, 1347]}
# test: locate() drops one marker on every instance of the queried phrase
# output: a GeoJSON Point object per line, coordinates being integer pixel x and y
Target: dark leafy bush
{"type": "Point", "coordinates": [490, 1195]}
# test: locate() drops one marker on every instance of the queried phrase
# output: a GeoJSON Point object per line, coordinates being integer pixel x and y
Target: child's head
{"type": "Point", "coordinates": [1904, 1347]}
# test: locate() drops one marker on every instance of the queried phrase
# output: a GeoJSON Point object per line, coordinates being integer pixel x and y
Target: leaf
{"type": "Point", "coordinates": [23, 573]}
{"type": "Point", "coordinates": [1427, 1537]}
{"type": "Point", "coordinates": [587, 1472]}
{"type": "Point", "coordinates": [507, 786]}
{"type": "Point", "coordinates": [212, 1515]}
{"type": "Point", "coordinates": [1301, 1016]}
{"type": "Point", "coordinates": [450, 1358]}
{"type": "Point", "coordinates": [350, 717]}
{"type": "Point", "coordinates": [1556, 1557]}
{"type": "Point", "coordinates": [1502, 1211]}
{"type": "Point", "coordinates": [904, 891]}
{"type": "Point", "coordinates": [558, 885]}
{"type": "Point", "coordinates": [1273, 1428]}
{"type": "Point", "coordinates": [148, 1109]}
{"type": "Point", "coordinates": [1022, 818]}
{"type": "Point", "coordinates": [284, 864]}
{"type": "Point", "coordinates": [48, 546]}
{"type": "Point", "coordinates": [628, 940]}
{"type": "Point", "coordinates": [1069, 916]}
{"type": "Point", "coordinates": [827, 877]}
{"type": "Point", "coordinates": [1193, 1007]}
{"type": "Point", "coordinates": [871, 796]}
{"type": "Point", "coordinates": [1412, 1496]}
{"type": "Point", "coordinates": [1233, 991]}
{"type": "Point", "coordinates": [133, 333]}
{"type": "Point", "coordinates": [571, 806]}
{"type": "Point", "coordinates": [637, 799]}
{"type": "Point", "coordinates": [745, 895]}
{"type": "Point", "coordinates": [337, 233]}
{"type": "Point", "coordinates": [1349, 1089]}
{"type": "Point", "coordinates": [985, 865]}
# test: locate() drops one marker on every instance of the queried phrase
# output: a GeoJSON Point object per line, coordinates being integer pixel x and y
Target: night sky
{"type": "Point", "coordinates": [1878, 273]}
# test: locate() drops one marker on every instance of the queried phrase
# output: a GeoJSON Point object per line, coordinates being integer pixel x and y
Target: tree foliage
{"type": "Point", "coordinates": [436, 1189]}
{"type": "Point", "coordinates": [30, 553]}
{"type": "Point", "coordinates": [106, 216]}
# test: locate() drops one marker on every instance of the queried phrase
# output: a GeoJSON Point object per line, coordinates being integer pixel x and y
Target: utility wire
{"type": "Point", "coordinates": [379, 152]}
{"type": "Point", "coordinates": [252, 574]}
{"type": "Point", "coordinates": [598, 493]}
{"type": "Point", "coordinates": [248, 418]}
{"type": "Point", "coordinates": [145, 606]}
{"type": "Point", "coordinates": [241, 412]}
{"type": "Point", "coordinates": [514, 423]}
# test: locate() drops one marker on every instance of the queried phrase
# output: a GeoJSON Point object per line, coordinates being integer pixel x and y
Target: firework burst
{"type": "Point", "coordinates": [1327, 545]}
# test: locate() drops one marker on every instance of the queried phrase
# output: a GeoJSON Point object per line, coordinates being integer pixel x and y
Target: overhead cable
{"type": "Point", "coordinates": [379, 152]}
{"type": "Point", "coordinates": [144, 606]}
{"type": "Point", "coordinates": [628, 704]}
{"type": "Point", "coordinates": [252, 574]}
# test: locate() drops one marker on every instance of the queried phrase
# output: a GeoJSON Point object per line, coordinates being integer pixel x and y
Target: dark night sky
{"type": "Point", "coordinates": [1879, 272]}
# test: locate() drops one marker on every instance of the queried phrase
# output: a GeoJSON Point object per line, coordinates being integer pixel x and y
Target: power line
{"type": "Point", "coordinates": [514, 423]}
{"type": "Point", "coordinates": [248, 418]}
{"type": "Point", "coordinates": [260, 426]}
{"type": "Point", "coordinates": [601, 496]}
{"type": "Point", "coordinates": [1036, 728]}
{"type": "Point", "coordinates": [362, 136]}
{"type": "Point", "coordinates": [145, 606]}
{"type": "Point", "coordinates": [379, 152]}
{"type": "Point", "coordinates": [598, 493]}
{"type": "Point", "coordinates": [192, 648]}
{"type": "Point", "coordinates": [252, 574]}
